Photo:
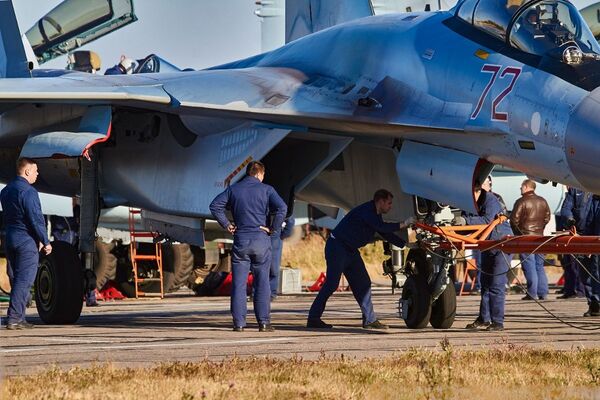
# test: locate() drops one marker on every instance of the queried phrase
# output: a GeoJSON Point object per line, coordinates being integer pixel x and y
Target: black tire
{"type": "Point", "coordinates": [178, 263]}
{"type": "Point", "coordinates": [416, 291]}
{"type": "Point", "coordinates": [419, 264]}
{"type": "Point", "coordinates": [443, 310]}
{"type": "Point", "coordinates": [59, 285]}
{"type": "Point", "coordinates": [105, 263]}
{"type": "Point", "coordinates": [209, 276]}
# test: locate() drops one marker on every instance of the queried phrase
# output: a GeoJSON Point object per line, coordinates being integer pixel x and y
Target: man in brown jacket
{"type": "Point", "coordinates": [529, 216]}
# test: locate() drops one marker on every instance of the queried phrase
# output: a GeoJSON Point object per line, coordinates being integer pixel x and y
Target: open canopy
{"type": "Point", "coordinates": [536, 27]}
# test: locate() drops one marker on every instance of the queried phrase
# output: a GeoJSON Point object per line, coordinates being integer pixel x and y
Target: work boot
{"type": "Point", "coordinates": [375, 325]}
{"type": "Point", "coordinates": [262, 327]}
{"type": "Point", "coordinates": [594, 310]}
{"type": "Point", "coordinates": [565, 296]}
{"type": "Point", "coordinates": [317, 323]}
{"type": "Point", "coordinates": [478, 323]}
{"type": "Point", "coordinates": [17, 326]}
{"type": "Point", "coordinates": [590, 313]}
{"type": "Point", "coordinates": [494, 326]}
{"type": "Point", "coordinates": [238, 329]}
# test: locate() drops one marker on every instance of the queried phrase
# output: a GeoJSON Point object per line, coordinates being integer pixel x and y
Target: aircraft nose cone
{"type": "Point", "coordinates": [582, 142]}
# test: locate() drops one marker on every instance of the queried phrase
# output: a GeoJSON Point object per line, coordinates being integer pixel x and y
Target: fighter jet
{"type": "Point", "coordinates": [420, 103]}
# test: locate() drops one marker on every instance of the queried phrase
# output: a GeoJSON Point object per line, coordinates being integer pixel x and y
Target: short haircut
{"type": "Point", "coordinates": [529, 184]}
{"type": "Point", "coordinates": [382, 194]}
{"type": "Point", "coordinates": [23, 162]}
{"type": "Point", "coordinates": [254, 168]}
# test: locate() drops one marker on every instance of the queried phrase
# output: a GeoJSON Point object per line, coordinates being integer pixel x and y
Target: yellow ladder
{"type": "Point", "coordinates": [135, 257]}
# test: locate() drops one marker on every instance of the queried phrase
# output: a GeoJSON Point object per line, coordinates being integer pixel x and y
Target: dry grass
{"type": "Point", "coordinates": [308, 254]}
{"type": "Point", "coordinates": [506, 372]}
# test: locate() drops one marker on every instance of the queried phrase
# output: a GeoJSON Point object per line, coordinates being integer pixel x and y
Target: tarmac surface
{"type": "Point", "coordinates": [182, 327]}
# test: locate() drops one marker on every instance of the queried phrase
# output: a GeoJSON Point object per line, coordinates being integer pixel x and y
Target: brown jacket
{"type": "Point", "coordinates": [530, 215]}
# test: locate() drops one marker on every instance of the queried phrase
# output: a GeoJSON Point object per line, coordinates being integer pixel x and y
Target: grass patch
{"type": "Point", "coordinates": [506, 372]}
{"type": "Point", "coordinates": [308, 254]}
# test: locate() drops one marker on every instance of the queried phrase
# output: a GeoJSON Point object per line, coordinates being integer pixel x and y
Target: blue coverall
{"type": "Point", "coordinates": [576, 205]}
{"type": "Point", "coordinates": [25, 228]}
{"type": "Point", "coordinates": [276, 248]}
{"type": "Point", "coordinates": [494, 263]}
{"type": "Point", "coordinates": [354, 231]}
{"type": "Point", "coordinates": [251, 202]}
{"type": "Point", "coordinates": [592, 283]}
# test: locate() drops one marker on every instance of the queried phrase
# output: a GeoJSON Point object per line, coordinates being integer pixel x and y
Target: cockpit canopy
{"type": "Point", "coordinates": [535, 27]}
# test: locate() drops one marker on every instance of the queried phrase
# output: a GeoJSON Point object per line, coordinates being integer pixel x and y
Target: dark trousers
{"type": "Point", "coordinates": [276, 248]}
{"type": "Point", "coordinates": [591, 282]}
{"type": "Point", "coordinates": [251, 254]}
{"type": "Point", "coordinates": [573, 282]}
{"type": "Point", "coordinates": [494, 266]}
{"type": "Point", "coordinates": [342, 260]}
{"type": "Point", "coordinates": [537, 280]}
{"type": "Point", "coordinates": [23, 261]}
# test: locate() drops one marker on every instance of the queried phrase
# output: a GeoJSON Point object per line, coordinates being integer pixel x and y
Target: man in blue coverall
{"type": "Point", "coordinates": [573, 212]}
{"type": "Point", "coordinates": [25, 236]}
{"type": "Point", "coordinates": [354, 231]}
{"type": "Point", "coordinates": [591, 277]}
{"type": "Point", "coordinates": [276, 248]}
{"type": "Point", "coordinates": [251, 203]}
{"type": "Point", "coordinates": [494, 263]}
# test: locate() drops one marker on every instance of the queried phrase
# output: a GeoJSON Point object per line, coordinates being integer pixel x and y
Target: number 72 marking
{"type": "Point", "coordinates": [494, 70]}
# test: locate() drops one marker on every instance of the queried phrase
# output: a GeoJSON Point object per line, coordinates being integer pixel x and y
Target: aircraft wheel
{"type": "Point", "coordinates": [105, 263]}
{"type": "Point", "coordinates": [418, 262]}
{"type": "Point", "coordinates": [443, 310]}
{"type": "Point", "coordinates": [59, 285]}
{"type": "Point", "coordinates": [178, 263]}
{"type": "Point", "coordinates": [415, 302]}
{"type": "Point", "coordinates": [209, 276]}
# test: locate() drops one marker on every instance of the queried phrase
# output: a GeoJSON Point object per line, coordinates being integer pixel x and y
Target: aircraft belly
{"type": "Point", "coordinates": [152, 170]}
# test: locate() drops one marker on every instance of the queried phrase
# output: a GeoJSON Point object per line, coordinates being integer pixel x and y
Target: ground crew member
{"type": "Point", "coordinates": [592, 263]}
{"type": "Point", "coordinates": [251, 203]}
{"type": "Point", "coordinates": [276, 249]}
{"type": "Point", "coordinates": [494, 264]}
{"type": "Point", "coordinates": [25, 236]}
{"type": "Point", "coordinates": [529, 216]}
{"type": "Point", "coordinates": [354, 231]}
{"type": "Point", "coordinates": [573, 212]}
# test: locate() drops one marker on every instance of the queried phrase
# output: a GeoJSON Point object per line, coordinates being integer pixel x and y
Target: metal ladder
{"type": "Point", "coordinates": [135, 257]}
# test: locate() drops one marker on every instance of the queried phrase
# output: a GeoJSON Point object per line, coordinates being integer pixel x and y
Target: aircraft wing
{"type": "Point", "coordinates": [280, 97]}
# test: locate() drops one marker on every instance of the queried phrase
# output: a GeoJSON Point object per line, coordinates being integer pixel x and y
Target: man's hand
{"type": "Point", "coordinates": [459, 221]}
{"type": "Point", "coordinates": [231, 228]}
{"type": "Point", "coordinates": [47, 249]}
{"type": "Point", "coordinates": [264, 228]}
{"type": "Point", "coordinates": [408, 222]}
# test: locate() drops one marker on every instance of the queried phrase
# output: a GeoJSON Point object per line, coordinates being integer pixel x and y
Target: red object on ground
{"type": "Point", "coordinates": [561, 280]}
{"type": "Point", "coordinates": [315, 287]}
{"type": "Point", "coordinates": [109, 292]}
{"type": "Point", "coordinates": [224, 288]}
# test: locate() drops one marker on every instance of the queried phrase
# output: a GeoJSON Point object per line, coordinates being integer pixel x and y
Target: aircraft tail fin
{"type": "Point", "coordinates": [13, 62]}
{"type": "Point", "coordinates": [303, 17]}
